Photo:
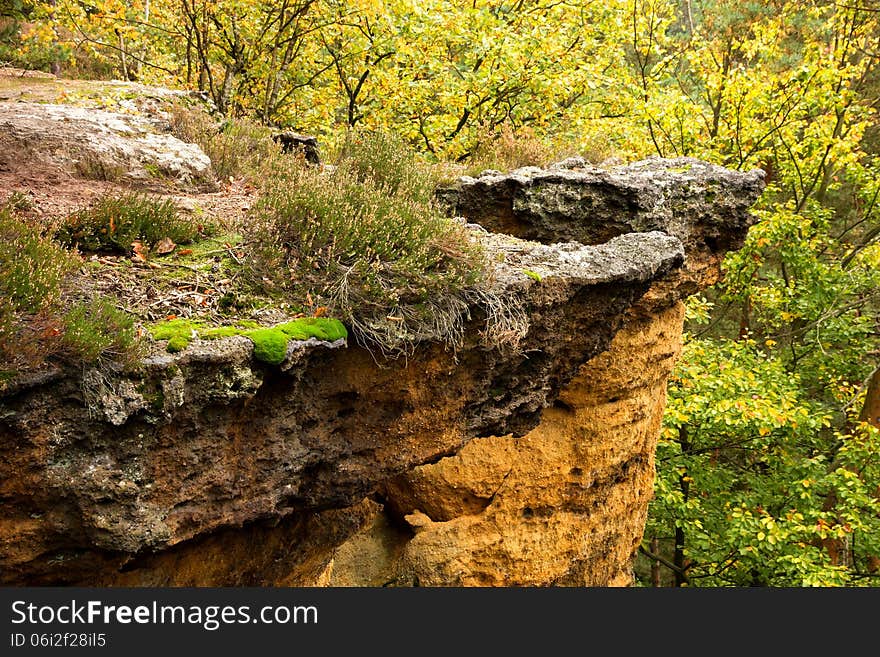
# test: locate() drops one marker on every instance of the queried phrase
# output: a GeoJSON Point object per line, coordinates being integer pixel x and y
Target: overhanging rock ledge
{"type": "Point", "coordinates": [474, 467]}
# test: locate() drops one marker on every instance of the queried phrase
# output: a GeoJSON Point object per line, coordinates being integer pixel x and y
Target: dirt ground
{"type": "Point", "coordinates": [46, 192]}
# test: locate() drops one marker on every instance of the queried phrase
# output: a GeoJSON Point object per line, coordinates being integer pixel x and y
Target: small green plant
{"type": "Point", "coordinates": [32, 326]}
{"type": "Point", "coordinates": [382, 160]}
{"type": "Point", "coordinates": [32, 267]}
{"type": "Point", "coordinates": [113, 222]}
{"type": "Point", "coordinates": [97, 328]}
{"type": "Point", "coordinates": [19, 202]}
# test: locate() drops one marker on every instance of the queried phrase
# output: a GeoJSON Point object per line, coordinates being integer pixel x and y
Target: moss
{"type": "Point", "coordinates": [239, 328]}
{"type": "Point", "coordinates": [167, 330]}
{"type": "Point", "coordinates": [315, 327]}
{"type": "Point", "coordinates": [270, 344]}
{"type": "Point", "coordinates": [178, 332]}
{"type": "Point", "coordinates": [178, 343]}
{"type": "Point", "coordinates": [532, 274]}
{"type": "Point", "coordinates": [220, 332]}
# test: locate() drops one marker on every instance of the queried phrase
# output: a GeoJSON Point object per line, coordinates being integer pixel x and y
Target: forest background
{"type": "Point", "coordinates": [768, 468]}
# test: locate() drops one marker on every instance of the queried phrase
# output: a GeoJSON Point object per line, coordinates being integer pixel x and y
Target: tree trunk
{"type": "Point", "coordinates": [655, 564]}
{"type": "Point", "coordinates": [871, 414]}
{"type": "Point", "coordinates": [684, 484]}
{"type": "Point", "coordinates": [871, 409]}
{"type": "Point", "coordinates": [123, 63]}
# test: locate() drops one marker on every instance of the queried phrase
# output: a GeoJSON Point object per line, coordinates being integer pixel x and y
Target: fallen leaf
{"type": "Point", "coordinates": [139, 251]}
{"type": "Point", "coordinates": [185, 252]}
{"type": "Point", "coordinates": [165, 245]}
{"type": "Point", "coordinates": [320, 311]}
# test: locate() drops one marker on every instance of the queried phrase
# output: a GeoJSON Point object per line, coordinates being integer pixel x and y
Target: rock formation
{"type": "Point", "coordinates": [474, 466]}
{"type": "Point", "coordinates": [565, 504]}
{"type": "Point", "coordinates": [100, 144]}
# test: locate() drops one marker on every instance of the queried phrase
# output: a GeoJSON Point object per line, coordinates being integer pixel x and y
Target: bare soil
{"type": "Point", "coordinates": [192, 280]}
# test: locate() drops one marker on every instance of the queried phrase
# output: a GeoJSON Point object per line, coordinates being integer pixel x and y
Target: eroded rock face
{"type": "Point", "coordinates": [566, 503]}
{"type": "Point", "coordinates": [125, 463]}
{"type": "Point", "coordinates": [691, 199]}
{"type": "Point", "coordinates": [706, 206]}
{"type": "Point", "coordinates": [100, 144]}
{"type": "Point", "coordinates": [476, 466]}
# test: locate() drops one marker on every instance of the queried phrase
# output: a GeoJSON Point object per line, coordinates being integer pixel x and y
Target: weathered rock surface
{"type": "Point", "coordinates": [479, 465]}
{"type": "Point", "coordinates": [124, 463]}
{"type": "Point", "coordinates": [706, 206]}
{"type": "Point", "coordinates": [100, 144]}
{"type": "Point", "coordinates": [566, 503]}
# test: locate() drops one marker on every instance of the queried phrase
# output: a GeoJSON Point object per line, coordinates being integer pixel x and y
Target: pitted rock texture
{"type": "Point", "coordinates": [563, 505]}
{"type": "Point", "coordinates": [125, 463]}
{"type": "Point", "coordinates": [706, 206]}
{"type": "Point", "coordinates": [685, 197]}
{"type": "Point", "coordinates": [102, 144]}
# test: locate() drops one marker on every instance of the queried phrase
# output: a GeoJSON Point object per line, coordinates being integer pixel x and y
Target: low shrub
{"type": "Point", "coordinates": [31, 270]}
{"type": "Point", "coordinates": [236, 147]}
{"type": "Point", "coordinates": [506, 148]}
{"type": "Point", "coordinates": [113, 222]}
{"type": "Point", "coordinates": [19, 202]}
{"type": "Point", "coordinates": [33, 326]}
{"type": "Point", "coordinates": [97, 328]}
{"type": "Point", "coordinates": [31, 267]}
{"type": "Point", "coordinates": [387, 163]}
{"type": "Point", "coordinates": [367, 240]}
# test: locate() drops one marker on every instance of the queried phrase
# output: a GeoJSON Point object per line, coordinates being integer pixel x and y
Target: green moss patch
{"type": "Point", "coordinates": [314, 327]}
{"type": "Point", "coordinates": [178, 332]}
{"type": "Point", "coordinates": [220, 332]}
{"type": "Point", "coordinates": [270, 344]}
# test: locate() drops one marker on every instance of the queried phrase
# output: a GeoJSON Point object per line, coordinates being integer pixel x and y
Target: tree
{"type": "Point", "coordinates": [765, 473]}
